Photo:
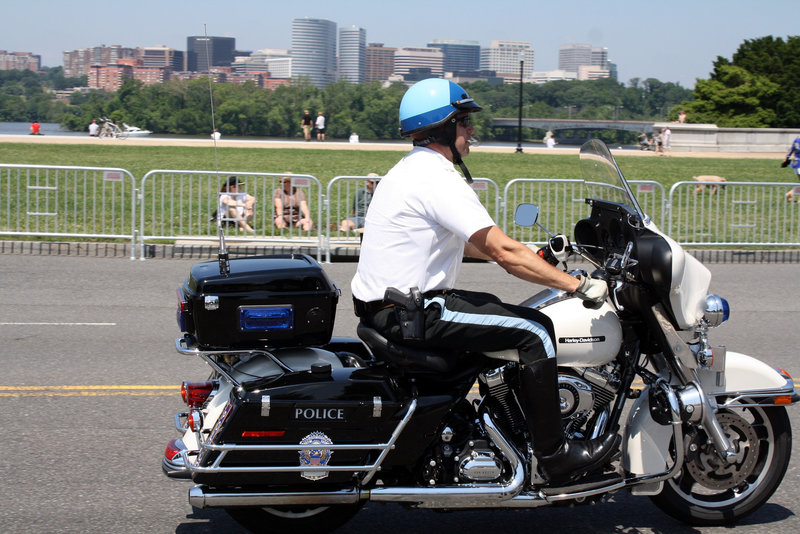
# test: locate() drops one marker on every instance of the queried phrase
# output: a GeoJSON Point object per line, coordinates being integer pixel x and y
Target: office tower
{"type": "Point", "coordinates": [573, 55]}
{"type": "Point", "coordinates": [352, 54]}
{"type": "Point", "coordinates": [417, 63]}
{"type": "Point", "coordinates": [161, 56]}
{"type": "Point", "coordinates": [459, 56]}
{"type": "Point", "coordinates": [276, 61]}
{"type": "Point", "coordinates": [503, 57]}
{"type": "Point", "coordinates": [205, 52]}
{"type": "Point", "coordinates": [379, 62]}
{"type": "Point", "coordinates": [314, 50]}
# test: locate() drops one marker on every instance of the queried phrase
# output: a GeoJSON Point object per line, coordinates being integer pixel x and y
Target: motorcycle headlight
{"type": "Point", "coordinates": [717, 310]}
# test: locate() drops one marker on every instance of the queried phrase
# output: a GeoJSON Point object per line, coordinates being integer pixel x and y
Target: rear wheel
{"type": "Point", "coordinates": [710, 492]}
{"type": "Point", "coordinates": [294, 519]}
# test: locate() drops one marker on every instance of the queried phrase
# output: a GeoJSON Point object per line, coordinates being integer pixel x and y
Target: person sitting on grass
{"type": "Point", "coordinates": [235, 205]}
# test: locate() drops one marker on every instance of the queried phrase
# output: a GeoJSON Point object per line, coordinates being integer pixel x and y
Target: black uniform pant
{"type": "Point", "coordinates": [457, 320]}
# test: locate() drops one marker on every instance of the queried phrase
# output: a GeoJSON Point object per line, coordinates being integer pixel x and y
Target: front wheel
{"type": "Point", "coordinates": [710, 492]}
{"type": "Point", "coordinates": [294, 519]}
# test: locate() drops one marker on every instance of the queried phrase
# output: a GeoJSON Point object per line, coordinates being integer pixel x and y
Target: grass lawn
{"type": "Point", "coordinates": [326, 164]}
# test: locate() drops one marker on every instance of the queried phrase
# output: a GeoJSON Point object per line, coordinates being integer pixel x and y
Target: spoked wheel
{"type": "Point", "coordinates": [710, 492]}
{"type": "Point", "coordinates": [294, 519]}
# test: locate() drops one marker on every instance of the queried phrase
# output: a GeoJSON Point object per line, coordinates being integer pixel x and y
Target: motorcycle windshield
{"type": "Point", "coordinates": [602, 178]}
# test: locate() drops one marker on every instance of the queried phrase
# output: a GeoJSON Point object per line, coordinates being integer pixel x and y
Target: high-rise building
{"type": "Point", "coordinates": [459, 56]}
{"type": "Point", "coordinates": [79, 62]}
{"type": "Point", "coordinates": [19, 61]}
{"type": "Point", "coordinates": [503, 57]}
{"type": "Point", "coordinates": [314, 50]}
{"type": "Point", "coordinates": [352, 54]}
{"type": "Point", "coordinates": [379, 62]}
{"type": "Point", "coordinates": [422, 62]}
{"type": "Point", "coordinates": [573, 55]}
{"type": "Point", "coordinates": [162, 56]}
{"type": "Point", "coordinates": [276, 61]}
{"type": "Point", "coordinates": [204, 52]}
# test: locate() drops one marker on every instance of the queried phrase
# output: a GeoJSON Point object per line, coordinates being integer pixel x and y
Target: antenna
{"type": "Point", "coordinates": [222, 255]}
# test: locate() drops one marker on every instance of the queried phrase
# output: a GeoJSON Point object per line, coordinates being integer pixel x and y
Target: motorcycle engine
{"type": "Point", "coordinates": [479, 463]}
{"type": "Point", "coordinates": [583, 396]}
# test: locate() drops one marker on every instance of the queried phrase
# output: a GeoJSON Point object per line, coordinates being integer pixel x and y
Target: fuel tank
{"type": "Point", "coordinates": [584, 337]}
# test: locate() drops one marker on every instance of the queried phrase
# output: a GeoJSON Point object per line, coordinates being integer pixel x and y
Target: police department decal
{"type": "Point", "coordinates": [315, 457]}
{"type": "Point", "coordinates": [582, 339]}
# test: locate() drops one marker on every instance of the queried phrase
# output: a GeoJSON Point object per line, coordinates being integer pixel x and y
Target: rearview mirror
{"type": "Point", "coordinates": [526, 214]}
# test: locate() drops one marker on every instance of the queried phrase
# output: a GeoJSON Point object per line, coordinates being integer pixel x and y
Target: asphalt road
{"type": "Point", "coordinates": [90, 380]}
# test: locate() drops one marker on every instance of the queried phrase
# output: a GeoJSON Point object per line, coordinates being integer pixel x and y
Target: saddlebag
{"type": "Point", "coordinates": [265, 301]}
{"type": "Point", "coordinates": [352, 416]}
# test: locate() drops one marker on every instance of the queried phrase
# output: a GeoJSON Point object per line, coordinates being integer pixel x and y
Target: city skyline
{"type": "Point", "coordinates": [676, 43]}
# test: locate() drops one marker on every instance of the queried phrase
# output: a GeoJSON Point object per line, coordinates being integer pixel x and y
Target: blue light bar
{"type": "Point", "coordinates": [265, 318]}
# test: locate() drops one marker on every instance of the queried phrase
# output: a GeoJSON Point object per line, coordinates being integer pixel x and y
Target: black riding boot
{"type": "Point", "coordinates": [560, 460]}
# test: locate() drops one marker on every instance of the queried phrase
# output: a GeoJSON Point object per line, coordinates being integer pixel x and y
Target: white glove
{"type": "Point", "coordinates": [592, 290]}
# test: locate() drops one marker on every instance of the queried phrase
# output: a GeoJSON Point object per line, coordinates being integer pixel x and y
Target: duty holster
{"type": "Point", "coordinates": [410, 312]}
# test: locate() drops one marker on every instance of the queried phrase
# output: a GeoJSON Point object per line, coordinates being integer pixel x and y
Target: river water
{"type": "Point", "coordinates": [22, 128]}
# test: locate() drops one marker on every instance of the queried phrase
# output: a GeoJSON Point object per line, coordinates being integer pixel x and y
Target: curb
{"type": "Point", "coordinates": [338, 254]}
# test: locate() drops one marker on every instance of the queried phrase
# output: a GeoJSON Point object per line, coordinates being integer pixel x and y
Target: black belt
{"type": "Point", "coordinates": [364, 309]}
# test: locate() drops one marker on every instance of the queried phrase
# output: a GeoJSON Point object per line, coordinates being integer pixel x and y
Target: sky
{"type": "Point", "coordinates": [670, 40]}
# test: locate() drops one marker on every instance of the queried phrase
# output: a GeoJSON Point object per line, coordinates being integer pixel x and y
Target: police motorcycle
{"type": "Point", "coordinates": [296, 429]}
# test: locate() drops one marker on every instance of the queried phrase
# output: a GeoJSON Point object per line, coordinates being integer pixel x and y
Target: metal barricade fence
{"type": "Point", "coordinates": [65, 201]}
{"type": "Point", "coordinates": [184, 205]}
{"type": "Point", "coordinates": [562, 203]}
{"type": "Point", "coordinates": [733, 214]}
{"type": "Point", "coordinates": [340, 205]}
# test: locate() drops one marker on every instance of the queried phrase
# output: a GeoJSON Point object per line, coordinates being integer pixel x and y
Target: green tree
{"type": "Point", "coordinates": [735, 98]}
{"type": "Point", "coordinates": [759, 83]}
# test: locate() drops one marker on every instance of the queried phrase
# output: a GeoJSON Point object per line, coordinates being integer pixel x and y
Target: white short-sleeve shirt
{"type": "Point", "coordinates": [420, 218]}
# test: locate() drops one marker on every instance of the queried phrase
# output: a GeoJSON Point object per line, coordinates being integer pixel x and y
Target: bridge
{"type": "Point", "coordinates": [578, 124]}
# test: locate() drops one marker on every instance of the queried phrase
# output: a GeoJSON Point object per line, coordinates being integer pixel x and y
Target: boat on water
{"type": "Point", "coordinates": [135, 131]}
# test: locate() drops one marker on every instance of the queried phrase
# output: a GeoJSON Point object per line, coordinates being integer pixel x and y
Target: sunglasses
{"type": "Point", "coordinates": [463, 121]}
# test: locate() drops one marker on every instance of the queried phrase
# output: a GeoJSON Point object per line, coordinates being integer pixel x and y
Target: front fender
{"type": "Point", "coordinates": [746, 375]}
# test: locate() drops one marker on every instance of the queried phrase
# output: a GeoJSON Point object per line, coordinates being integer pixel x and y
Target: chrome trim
{"type": "Point", "coordinates": [265, 405]}
{"type": "Point", "coordinates": [182, 426]}
{"type": "Point", "coordinates": [377, 406]}
{"type": "Point", "coordinates": [367, 470]}
{"type": "Point", "coordinates": [737, 396]}
{"type": "Point", "coordinates": [202, 497]}
{"type": "Point", "coordinates": [206, 356]}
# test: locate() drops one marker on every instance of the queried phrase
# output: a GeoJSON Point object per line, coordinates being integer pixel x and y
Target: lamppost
{"type": "Point", "coordinates": [616, 111]}
{"type": "Point", "coordinates": [519, 122]}
{"type": "Point", "coordinates": [569, 111]}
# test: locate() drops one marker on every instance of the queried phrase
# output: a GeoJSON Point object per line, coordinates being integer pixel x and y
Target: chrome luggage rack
{"type": "Point", "coordinates": [186, 345]}
{"type": "Point", "coordinates": [367, 470]}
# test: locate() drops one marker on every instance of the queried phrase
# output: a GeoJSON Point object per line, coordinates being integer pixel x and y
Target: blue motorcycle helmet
{"type": "Point", "coordinates": [431, 106]}
{"type": "Point", "coordinates": [428, 104]}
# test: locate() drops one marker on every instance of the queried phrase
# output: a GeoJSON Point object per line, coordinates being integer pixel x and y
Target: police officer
{"type": "Point", "coordinates": [421, 222]}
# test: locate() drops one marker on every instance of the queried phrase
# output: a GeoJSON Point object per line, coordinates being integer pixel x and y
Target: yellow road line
{"type": "Point", "coordinates": [88, 391]}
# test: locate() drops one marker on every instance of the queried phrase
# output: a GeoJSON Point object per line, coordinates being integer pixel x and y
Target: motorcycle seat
{"type": "Point", "coordinates": [403, 355]}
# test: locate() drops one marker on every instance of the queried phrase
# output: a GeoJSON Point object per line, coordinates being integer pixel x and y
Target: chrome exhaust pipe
{"type": "Point", "coordinates": [473, 496]}
{"type": "Point", "coordinates": [200, 497]}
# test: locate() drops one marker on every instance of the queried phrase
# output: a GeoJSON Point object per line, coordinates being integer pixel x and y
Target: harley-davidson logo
{"type": "Point", "coordinates": [585, 339]}
{"type": "Point", "coordinates": [315, 457]}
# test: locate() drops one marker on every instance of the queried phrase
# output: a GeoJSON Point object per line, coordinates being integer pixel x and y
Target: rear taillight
{"type": "Point", "coordinates": [183, 310]}
{"type": "Point", "coordinates": [195, 394]}
{"type": "Point", "coordinates": [194, 420]}
{"type": "Point", "coordinates": [173, 450]}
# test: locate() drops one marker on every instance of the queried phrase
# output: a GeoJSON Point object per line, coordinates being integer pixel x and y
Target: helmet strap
{"type": "Point", "coordinates": [446, 135]}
